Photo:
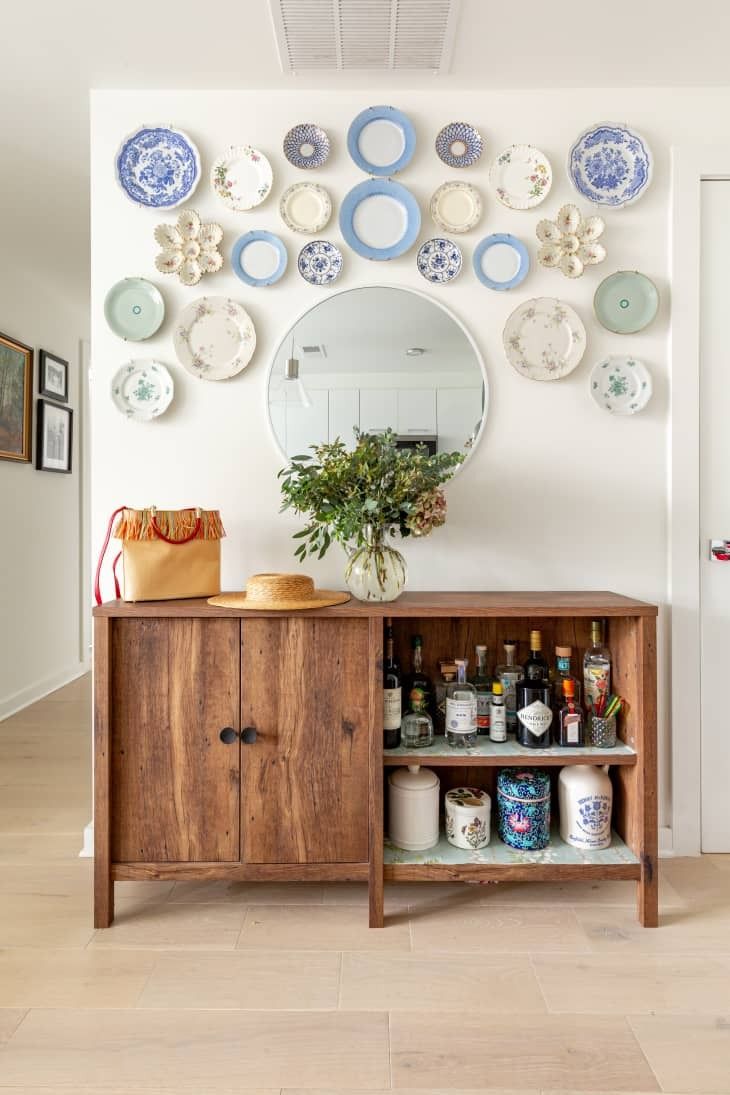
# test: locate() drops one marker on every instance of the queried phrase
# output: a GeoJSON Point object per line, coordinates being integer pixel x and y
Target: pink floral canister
{"type": "Point", "coordinates": [468, 811]}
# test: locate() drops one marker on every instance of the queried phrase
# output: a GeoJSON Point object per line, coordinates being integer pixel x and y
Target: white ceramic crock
{"type": "Point", "coordinates": [413, 799]}
{"type": "Point", "coordinates": [586, 798]}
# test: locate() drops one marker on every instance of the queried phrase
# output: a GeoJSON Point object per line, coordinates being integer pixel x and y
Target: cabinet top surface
{"type": "Point", "coordinates": [419, 604]}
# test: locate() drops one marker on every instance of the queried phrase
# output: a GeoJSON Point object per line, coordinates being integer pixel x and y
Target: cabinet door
{"type": "Point", "coordinates": [307, 426]}
{"type": "Point", "coordinates": [304, 689]}
{"type": "Point", "coordinates": [344, 415]}
{"type": "Point", "coordinates": [416, 411]}
{"type": "Point", "coordinates": [378, 409]}
{"type": "Point", "coordinates": [459, 415]}
{"type": "Point", "coordinates": [175, 784]}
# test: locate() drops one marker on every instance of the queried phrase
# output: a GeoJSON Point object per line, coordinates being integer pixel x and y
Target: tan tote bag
{"type": "Point", "coordinates": [166, 554]}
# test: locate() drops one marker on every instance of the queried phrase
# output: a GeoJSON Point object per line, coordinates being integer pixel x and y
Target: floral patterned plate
{"type": "Point", "coordinates": [158, 166]}
{"type": "Point", "coordinates": [189, 248]}
{"type": "Point", "coordinates": [521, 176]}
{"type": "Point", "coordinates": [621, 384]}
{"type": "Point", "coordinates": [626, 302]}
{"type": "Point", "coordinates": [320, 262]}
{"type": "Point", "coordinates": [305, 207]}
{"type": "Point", "coordinates": [544, 339]}
{"type": "Point", "coordinates": [306, 145]}
{"type": "Point", "coordinates": [456, 207]}
{"type": "Point", "coordinates": [610, 164]}
{"type": "Point", "coordinates": [242, 178]}
{"type": "Point", "coordinates": [214, 338]}
{"type": "Point", "coordinates": [439, 260]}
{"type": "Point", "coordinates": [459, 144]}
{"type": "Point", "coordinates": [142, 390]}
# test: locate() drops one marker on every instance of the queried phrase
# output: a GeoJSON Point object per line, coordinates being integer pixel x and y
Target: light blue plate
{"type": "Point", "coordinates": [238, 257]}
{"type": "Point", "coordinates": [522, 260]}
{"type": "Point", "coordinates": [397, 192]}
{"type": "Point", "coordinates": [381, 114]}
{"type": "Point", "coordinates": [158, 166]}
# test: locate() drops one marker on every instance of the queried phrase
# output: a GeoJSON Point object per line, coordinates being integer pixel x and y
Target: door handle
{"type": "Point", "coordinates": [248, 735]}
{"type": "Point", "coordinates": [720, 551]}
{"type": "Point", "coordinates": [228, 735]}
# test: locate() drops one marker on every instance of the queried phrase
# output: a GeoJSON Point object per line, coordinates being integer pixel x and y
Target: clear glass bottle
{"type": "Point", "coordinates": [498, 713]}
{"type": "Point", "coordinates": [596, 670]}
{"type": "Point", "coordinates": [391, 692]}
{"type": "Point", "coordinates": [508, 674]}
{"type": "Point", "coordinates": [416, 729]}
{"type": "Point", "coordinates": [482, 681]}
{"type": "Point", "coordinates": [571, 727]}
{"type": "Point", "coordinates": [560, 672]}
{"type": "Point", "coordinates": [448, 674]}
{"type": "Point", "coordinates": [461, 709]}
{"type": "Point", "coordinates": [417, 686]}
{"type": "Point", "coordinates": [534, 706]}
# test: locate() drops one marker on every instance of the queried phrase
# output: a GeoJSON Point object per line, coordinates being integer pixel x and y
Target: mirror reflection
{"type": "Point", "coordinates": [377, 359]}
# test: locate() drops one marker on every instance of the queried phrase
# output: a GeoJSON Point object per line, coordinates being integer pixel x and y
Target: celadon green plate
{"type": "Point", "coordinates": [626, 302]}
{"type": "Point", "coordinates": [134, 309]}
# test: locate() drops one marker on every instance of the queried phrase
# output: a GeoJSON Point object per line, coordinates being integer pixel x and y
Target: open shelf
{"type": "Point", "coordinates": [506, 754]}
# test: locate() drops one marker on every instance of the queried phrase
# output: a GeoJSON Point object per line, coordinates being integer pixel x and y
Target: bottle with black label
{"type": "Point", "coordinates": [391, 692]}
{"type": "Point", "coordinates": [534, 709]}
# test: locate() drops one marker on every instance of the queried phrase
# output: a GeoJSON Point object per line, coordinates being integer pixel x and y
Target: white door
{"type": "Point", "coordinates": [714, 511]}
{"type": "Point", "coordinates": [344, 414]}
{"type": "Point", "coordinates": [378, 409]}
{"type": "Point", "coordinates": [416, 411]}
{"type": "Point", "coordinates": [459, 416]}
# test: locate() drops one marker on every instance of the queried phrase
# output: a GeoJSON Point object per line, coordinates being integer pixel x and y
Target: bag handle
{"type": "Point", "coordinates": [185, 539]}
{"type": "Point", "coordinates": [102, 553]}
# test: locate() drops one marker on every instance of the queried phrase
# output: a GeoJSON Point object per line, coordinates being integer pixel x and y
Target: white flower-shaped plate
{"type": "Point", "coordinates": [142, 390]}
{"type": "Point", "coordinates": [214, 338]}
{"type": "Point", "coordinates": [521, 176]}
{"type": "Point", "coordinates": [305, 207]}
{"type": "Point", "coordinates": [544, 339]}
{"type": "Point", "coordinates": [242, 178]}
{"type": "Point", "coordinates": [621, 384]}
{"type": "Point", "coordinates": [189, 247]}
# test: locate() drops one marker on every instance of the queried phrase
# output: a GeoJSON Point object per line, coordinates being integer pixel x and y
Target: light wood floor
{"type": "Point", "coordinates": [257, 989]}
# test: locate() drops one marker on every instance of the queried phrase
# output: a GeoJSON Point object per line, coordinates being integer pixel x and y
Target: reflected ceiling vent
{"type": "Point", "coordinates": [346, 35]}
{"type": "Point", "coordinates": [314, 351]}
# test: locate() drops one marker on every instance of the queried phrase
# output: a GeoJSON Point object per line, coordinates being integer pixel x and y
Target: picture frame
{"type": "Point", "coordinates": [16, 399]}
{"type": "Point", "coordinates": [54, 437]}
{"type": "Point", "coordinates": [52, 376]}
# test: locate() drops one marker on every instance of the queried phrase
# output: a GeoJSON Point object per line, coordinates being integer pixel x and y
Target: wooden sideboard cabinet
{"type": "Point", "coordinates": [248, 746]}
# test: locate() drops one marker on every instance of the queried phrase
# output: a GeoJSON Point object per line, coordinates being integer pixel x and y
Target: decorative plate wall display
{"type": "Point", "coordinates": [214, 338]}
{"type": "Point", "coordinates": [544, 339]}
{"type": "Point", "coordinates": [610, 164]}
{"type": "Point", "coordinates": [242, 178]}
{"type": "Point", "coordinates": [626, 302]}
{"type": "Point", "coordinates": [381, 140]}
{"type": "Point", "coordinates": [158, 166]}
{"type": "Point", "coordinates": [456, 207]}
{"type": "Point", "coordinates": [380, 219]}
{"type": "Point", "coordinates": [459, 144]}
{"type": "Point", "coordinates": [305, 207]}
{"type": "Point", "coordinates": [259, 258]}
{"type": "Point", "coordinates": [521, 176]}
{"type": "Point", "coordinates": [320, 262]}
{"type": "Point", "coordinates": [142, 390]}
{"type": "Point", "coordinates": [621, 385]}
{"type": "Point", "coordinates": [306, 146]}
{"type": "Point", "coordinates": [439, 260]}
{"type": "Point", "coordinates": [569, 243]}
{"type": "Point", "coordinates": [134, 309]}
{"type": "Point", "coordinates": [189, 248]}
{"type": "Point", "coordinates": [501, 261]}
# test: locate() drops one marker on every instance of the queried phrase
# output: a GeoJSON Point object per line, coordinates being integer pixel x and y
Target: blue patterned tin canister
{"type": "Point", "coordinates": [523, 803]}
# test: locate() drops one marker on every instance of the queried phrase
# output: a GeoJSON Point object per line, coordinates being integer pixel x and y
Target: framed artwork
{"type": "Point", "coordinates": [53, 376]}
{"type": "Point", "coordinates": [54, 437]}
{"type": "Point", "coordinates": [16, 397]}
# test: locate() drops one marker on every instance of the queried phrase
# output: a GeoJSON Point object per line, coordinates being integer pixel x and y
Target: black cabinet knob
{"type": "Point", "coordinates": [228, 735]}
{"type": "Point", "coordinates": [248, 735]}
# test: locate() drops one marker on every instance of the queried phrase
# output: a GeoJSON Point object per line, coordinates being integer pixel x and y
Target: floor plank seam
{"type": "Point", "coordinates": [637, 1039]}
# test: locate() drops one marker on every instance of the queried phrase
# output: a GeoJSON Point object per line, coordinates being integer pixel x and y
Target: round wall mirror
{"type": "Point", "coordinates": [375, 359]}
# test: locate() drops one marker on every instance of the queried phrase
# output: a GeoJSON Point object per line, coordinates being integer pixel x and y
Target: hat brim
{"type": "Point", "coordinates": [321, 598]}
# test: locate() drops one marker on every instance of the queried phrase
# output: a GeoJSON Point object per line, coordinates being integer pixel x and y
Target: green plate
{"type": "Point", "coordinates": [134, 309]}
{"type": "Point", "coordinates": [626, 302]}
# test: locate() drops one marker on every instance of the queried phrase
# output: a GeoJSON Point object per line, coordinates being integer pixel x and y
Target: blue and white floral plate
{"type": "Point", "coordinates": [501, 261]}
{"type": "Point", "coordinates": [439, 260]}
{"type": "Point", "coordinates": [306, 146]}
{"type": "Point", "coordinates": [381, 140]}
{"type": "Point", "coordinates": [142, 390]}
{"type": "Point", "coordinates": [380, 219]}
{"type": "Point", "coordinates": [259, 258]}
{"type": "Point", "coordinates": [320, 262]}
{"type": "Point", "coordinates": [610, 164]}
{"type": "Point", "coordinates": [158, 167]}
{"type": "Point", "coordinates": [621, 384]}
{"type": "Point", "coordinates": [459, 144]}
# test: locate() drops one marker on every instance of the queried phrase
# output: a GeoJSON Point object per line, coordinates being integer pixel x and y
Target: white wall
{"type": "Point", "coordinates": [558, 495]}
{"type": "Point", "coordinates": [41, 624]}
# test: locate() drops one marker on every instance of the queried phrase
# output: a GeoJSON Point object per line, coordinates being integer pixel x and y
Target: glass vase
{"type": "Point", "coordinates": [376, 571]}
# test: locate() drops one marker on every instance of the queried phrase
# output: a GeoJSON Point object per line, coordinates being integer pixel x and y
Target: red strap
{"type": "Point", "coordinates": [102, 553]}
{"type": "Point", "coordinates": [186, 539]}
{"type": "Point", "coordinates": [117, 589]}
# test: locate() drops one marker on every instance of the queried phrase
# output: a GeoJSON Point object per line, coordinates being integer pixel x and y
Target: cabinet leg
{"type": "Point", "coordinates": [103, 897]}
{"type": "Point", "coordinates": [647, 893]}
{"type": "Point", "coordinates": [375, 894]}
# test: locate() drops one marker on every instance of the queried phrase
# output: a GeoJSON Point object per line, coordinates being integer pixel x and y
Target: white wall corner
{"type": "Point", "coordinates": [16, 701]}
{"type": "Point", "coordinates": [666, 842]}
{"type": "Point", "coordinates": [87, 848]}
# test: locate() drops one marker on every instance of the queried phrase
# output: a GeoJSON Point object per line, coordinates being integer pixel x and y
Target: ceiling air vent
{"type": "Point", "coordinates": [347, 35]}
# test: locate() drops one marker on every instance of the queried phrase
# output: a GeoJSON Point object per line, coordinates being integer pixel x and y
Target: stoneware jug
{"type": "Point", "coordinates": [413, 801]}
{"type": "Point", "coordinates": [585, 795]}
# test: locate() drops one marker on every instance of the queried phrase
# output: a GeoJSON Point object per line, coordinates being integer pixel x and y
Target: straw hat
{"type": "Point", "coordinates": [280, 593]}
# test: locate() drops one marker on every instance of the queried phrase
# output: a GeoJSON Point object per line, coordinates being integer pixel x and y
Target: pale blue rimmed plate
{"type": "Point", "coordinates": [501, 261]}
{"type": "Point", "coordinates": [134, 309]}
{"type": "Point", "coordinates": [259, 258]}
{"type": "Point", "coordinates": [381, 140]}
{"type": "Point", "coordinates": [626, 302]}
{"type": "Point", "coordinates": [380, 219]}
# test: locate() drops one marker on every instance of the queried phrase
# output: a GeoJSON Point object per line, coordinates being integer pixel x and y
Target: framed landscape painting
{"type": "Point", "coordinates": [54, 437]}
{"type": "Point", "coordinates": [16, 397]}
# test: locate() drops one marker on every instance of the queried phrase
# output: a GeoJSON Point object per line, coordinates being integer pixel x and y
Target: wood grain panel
{"type": "Point", "coordinates": [375, 807]}
{"type": "Point", "coordinates": [103, 885]}
{"type": "Point", "coordinates": [305, 777]}
{"type": "Point", "coordinates": [176, 784]}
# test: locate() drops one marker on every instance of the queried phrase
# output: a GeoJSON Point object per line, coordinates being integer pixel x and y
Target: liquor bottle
{"type": "Point", "coordinates": [416, 728]}
{"type": "Point", "coordinates": [461, 709]}
{"type": "Point", "coordinates": [596, 669]}
{"type": "Point", "coordinates": [571, 720]}
{"type": "Point", "coordinates": [448, 674]}
{"type": "Point", "coordinates": [498, 714]}
{"type": "Point", "coordinates": [508, 674]}
{"type": "Point", "coordinates": [534, 711]}
{"type": "Point", "coordinates": [559, 673]}
{"type": "Point", "coordinates": [417, 687]}
{"type": "Point", "coordinates": [483, 685]}
{"type": "Point", "coordinates": [391, 692]}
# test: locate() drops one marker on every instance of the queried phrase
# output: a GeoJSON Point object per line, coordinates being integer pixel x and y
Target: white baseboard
{"type": "Point", "coordinates": [10, 705]}
{"type": "Point", "coordinates": [666, 842]}
{"type": "Point", "coordinates": [87, 849]}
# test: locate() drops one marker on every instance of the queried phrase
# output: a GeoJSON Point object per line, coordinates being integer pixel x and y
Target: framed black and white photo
{"type": "Point", "coordinates": [54, 437]}
{"type": "Point", "coordinates": [53, 377]}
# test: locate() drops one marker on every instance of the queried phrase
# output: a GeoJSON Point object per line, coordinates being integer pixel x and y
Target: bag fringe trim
{"type": "Point", "coordinates": [136, 524]}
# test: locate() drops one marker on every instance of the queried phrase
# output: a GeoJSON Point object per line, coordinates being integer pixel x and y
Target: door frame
{"type": "Point", "coordinates": [691, 164]}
